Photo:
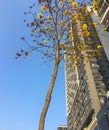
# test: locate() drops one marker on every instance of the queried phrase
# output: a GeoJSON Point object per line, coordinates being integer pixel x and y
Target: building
{"type": "Point", "coordinates": [88, 82]}
{"type": "Point", "coordinates": [62, 127]}
{"type": "Point", "coordinates": [104, 13]}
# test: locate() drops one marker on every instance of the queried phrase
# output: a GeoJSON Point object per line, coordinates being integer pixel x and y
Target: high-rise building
{"type": "Point", "coordinates": [62, 127]}
{"type": "Point", "coordinates": [88, 82]}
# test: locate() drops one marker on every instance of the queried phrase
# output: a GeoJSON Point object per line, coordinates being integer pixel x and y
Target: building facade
{"type": "Point", "coordinates": [62, 127]}
{"type": "Point", "coordinates": [88, 82]}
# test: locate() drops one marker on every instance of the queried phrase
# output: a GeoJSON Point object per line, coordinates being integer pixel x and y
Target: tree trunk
{"type": "Point", "coordinates": [49, 93]}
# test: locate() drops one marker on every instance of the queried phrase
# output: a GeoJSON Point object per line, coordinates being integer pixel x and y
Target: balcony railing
{"type": "Point", "coordinates": [86, 118]}
{"type": "Point", "coordinates": [107, 26]}
{"type": "Point", "coordinates": [105, 16]}
{"type": "Point", "coordinates": [103, 8]}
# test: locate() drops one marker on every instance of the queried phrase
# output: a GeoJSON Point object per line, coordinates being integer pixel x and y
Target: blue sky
{"type": "Point", "coordinates": [24, 82]}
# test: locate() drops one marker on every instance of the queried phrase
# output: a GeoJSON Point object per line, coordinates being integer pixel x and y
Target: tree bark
{"type": "Point", "coordinates": [49, 93]}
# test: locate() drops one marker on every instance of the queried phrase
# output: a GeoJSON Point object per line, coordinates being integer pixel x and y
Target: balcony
{"type": "Point", "coordinates": [86, 118]}
{"type": "Point", "coordinates": [105, 16]}
{"type": "Point", "coordinates": [92, 124]}
{"type": "Point", "coordinates": [107, 25]}
{"type": "Point", "coordinates": [103, 8]}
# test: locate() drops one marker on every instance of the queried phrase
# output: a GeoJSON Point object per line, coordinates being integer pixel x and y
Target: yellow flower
{"type": "Point", "coordinates": [80, 17]}
{"type": "Point", "coordinates": [94, 23]}
{"type": "Point", "coordinates": [75, 65]}
{"type": "Point", "coordinates": [61, 45]}
{"type": "Point", "coordinates": [76, 58]}
{"type": "Point", "coordinates": [66, 12]}
{"type": "Point", "coordinates": [84, 8]}
{"type": "Point", "coordinates": [41, 21]}
{"type": "Point", "coordinates": [61, 2]}
{"type": "Point", "coordinates": [43, 7]}
{"type": "Point", "coordinates": [65, 23]}
{"type": "Point", "coordinates": [75, 16]}
{"type": "Point", "coordinates": [86, 33]}
{"type": "Point", "coordinates": [81, 47]}
{"type": "Point", "coordinates": [69, 57]}
{"type": "Point", "coordinates": [60, 22]}
{"type": "Point", "coordinates": [75, 5]}
{"type": "Point", "coordinates": [49, 17]}
{"type": "Point", "coordinates": [45, 41]}
{"type": "Point", "coordinates": [40, 15]}
{"type": "Point", "coordinates": [70, 31]}
{"type": "Point", "coordinates": [99, 47]}
{"type": "Point", "coordinates": [95, 5]}
{"type": "Point", "coordinates": [84, 26]}
{"type": "Point", "coordinates": [96, 52]}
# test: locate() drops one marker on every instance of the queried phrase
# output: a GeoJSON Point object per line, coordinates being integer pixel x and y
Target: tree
{"type": "Point", "coordinates": [52, 31]}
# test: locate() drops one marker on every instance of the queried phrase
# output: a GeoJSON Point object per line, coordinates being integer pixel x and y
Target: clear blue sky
{"type": "Point", "coordinates": [24, 82]}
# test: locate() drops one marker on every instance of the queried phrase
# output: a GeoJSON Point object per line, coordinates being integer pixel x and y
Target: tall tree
{"type": "Point", "coordinates": [52, 30]}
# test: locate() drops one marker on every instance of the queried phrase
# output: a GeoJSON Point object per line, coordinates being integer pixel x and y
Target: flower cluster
{"type": "Point", "coordinates": [40, 15]}
{"type": "Point", "coordinates": [75, 5]}
{"type": "Point", "coordinates": [95, 5]}
{"type": "Point", "coordinates": [85, 32]}
{"type": "Point", "coordinates": [43, 7]}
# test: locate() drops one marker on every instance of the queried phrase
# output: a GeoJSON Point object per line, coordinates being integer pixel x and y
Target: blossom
{"type": "Point", "coordinates": [75, 16]}
{"type": "Point", "coordinates": [75, 5]}
{"type": "Point", "coordinates": [43, 7]}
{"type": "Point", "coordinates": [84, 26]}
{"type": "Point", "coordinates": [49, 17]}
{"type": "Point", "coordinates": [69, 57]}
{"type": "Point", "coordinates": [81, 47]}
{"type": "Point", "coordinates": [41, 21]}
{"type": "Point", "coordinates": [40, 15]}
{"type": "Point", "coordinates": [86, 33]}
{"type": "Point", "coordinates": [66, 12]}
{"type": "Point", "coordinates": [45, 41]}
{"type": "Point", "coordinates": [80, 17]}
{"type": "Point", "coordinates": [61, 45]}
{"type": "Point", "coordinates": [75, 64]}
{"type": "Point", "coordinates": [99, 47]}
{"type": "Point", "coordinates": [96, 52]}
{"type": "Point", "coordinates": [60, 22]}
{"type": "Point", "coordinates": [95, 5]}
{"type": "Point", "coordinates": [94, 23]}
{"type": "Point", "coordinates": [70, 31]}
{"type": "Point", "coordinates": [84, 8]}
{"type": "Point", "coordinates": [64, 23]}
{"type": "Point", "coordinates": [76, 58]}
{"type": "Point", "coordinates": [60, 2]}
